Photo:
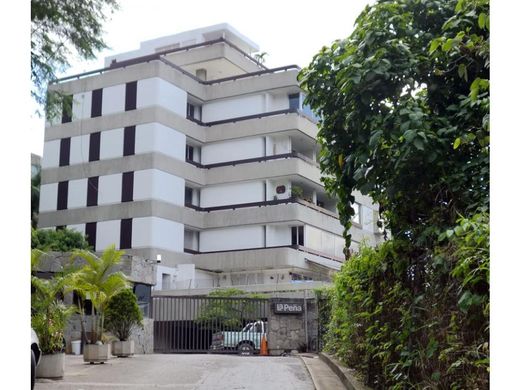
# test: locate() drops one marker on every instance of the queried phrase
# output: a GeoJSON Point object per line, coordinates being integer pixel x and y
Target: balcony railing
{"type": "Point", "coordinates": [253, 116]}
{"type": "Point", "coordinates": [265, 203]}
{"type": "Point", "coordinates": [159, 56]}
{"type": "Point", "coordinates": [255, 159]}
{"type": "Point", "coordinates": [300, 248]}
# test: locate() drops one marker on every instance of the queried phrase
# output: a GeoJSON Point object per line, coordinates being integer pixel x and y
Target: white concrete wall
{"type": "Point", "coordinates": [278, 102]}
{"type": "Point", "coordinates": [232, 238]}
{"type": "Point", "coordinates": [232, 194]}
{"type": "Point", "coordinates": [111, 144]}
{"type": "Point", "coordinates": [156, 184]}
{"type": "Point", "coordinates": [155, 91]}
{"type": "Point", "coordinates": [155, 137]}
{"type": "Point", "coordinates": [231, 108]}
{"type": "Point", "coordinates": [51, 154]}
{"type": "Point", "coordinates": [367, 218]}
{"type": "Point", "coordinates": [81, 105]}
{"type": "Point", "coordinates": [232, 150]}
{"type": "Point", "coordinates": [323, 241]}
{"type": "Point", "coordinates": [77, 196]}
{"type": "Point", "coordinates": [113, 99]}
{"type": "Point", "coordinates": [78, 228]}
{"type": "Point", "coordinates": [48, 197]}
{"type": "Point", "coordinates": [107, 233]}
{"type": "Point", "coordinates": [169, 271]}
{"type": "Point", "coordinates": [278, 235]}
{"type": "Point", "coordinates": [109, 191]}
{"type": "Point", "coordinates": [281, 145]}
{"type": "Point", "coordinates": [157, 233]}
{"type": "Point", "coordinates": [79, 148]}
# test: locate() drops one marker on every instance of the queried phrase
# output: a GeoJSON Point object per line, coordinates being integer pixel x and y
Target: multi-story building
{"type": "Point", "coordinates": [192, 149]}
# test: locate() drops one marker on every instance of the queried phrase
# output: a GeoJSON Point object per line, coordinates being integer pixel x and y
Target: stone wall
{"type": "Point", "coordinates": [143, 337]}
{"type": "Point", "coordinates": [287, 331]}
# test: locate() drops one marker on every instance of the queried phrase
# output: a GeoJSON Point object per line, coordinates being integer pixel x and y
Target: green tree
{"type": "Point", "coordinates": [59, 30]}
{"type": "Point", "coordinates": [404, 106]}
{"type": "Point", "coordinates": [99, 281]}
{"type": "Point", "coordinates": [60, 240]}
{"type": "Point", "coordinates": [123, 314]}
{"type": "Point", "coordinates": [229, 313]}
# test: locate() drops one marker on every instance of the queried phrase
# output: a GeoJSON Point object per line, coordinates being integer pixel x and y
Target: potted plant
{"type": "Point", "coordinates": [122, 316]}
{"type": "Point", "coordinates": [49, 317]}
{"type": "Point", "coordinates": [98, 281]}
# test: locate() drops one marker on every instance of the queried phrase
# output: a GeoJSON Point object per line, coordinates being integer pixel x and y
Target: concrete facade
{"type": "Point", "coordinates": [196, 155]}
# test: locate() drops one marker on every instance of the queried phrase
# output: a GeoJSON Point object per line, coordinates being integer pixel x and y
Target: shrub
{"type": "Point", "coordinates": [61, 240]}
{"type": "Point", "coordinates": [410, 319]}
{"type": "Point", "coordinates": [123, 314]}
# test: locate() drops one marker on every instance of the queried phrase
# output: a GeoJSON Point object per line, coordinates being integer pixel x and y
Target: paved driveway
{"type": "Point", "coordinates": [183, 372]}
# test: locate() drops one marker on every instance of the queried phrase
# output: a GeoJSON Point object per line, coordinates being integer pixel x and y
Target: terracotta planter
{"type": "Point", "coordinates": [94, 353]}
{"type": "Point", "coordinates": [51, 366]}
{"type": "Point", "coordinates": [123, 348]}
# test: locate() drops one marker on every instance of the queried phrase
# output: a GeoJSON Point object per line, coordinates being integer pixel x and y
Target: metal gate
{"type": "Point", "coordinates": [200, 324]}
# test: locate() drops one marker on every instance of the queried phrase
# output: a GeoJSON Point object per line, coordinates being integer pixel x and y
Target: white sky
{"type": "Point", "coordinates": [291, 32]}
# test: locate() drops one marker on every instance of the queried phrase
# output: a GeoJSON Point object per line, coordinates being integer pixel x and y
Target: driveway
{"type": "Point", "coordinates": [198, 371]}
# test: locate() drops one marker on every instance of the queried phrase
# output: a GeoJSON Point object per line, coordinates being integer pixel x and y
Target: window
{"type": "Point", "coordinates": [93, 151]}
{"type": "Point", "coordinates": [125, 239]}
{"type": "Point", "coordinates": [188, 196]}
{"type": "Point", "coordinates": [143, 292]}
{"type": "Point", "coordinates": [193, 111]}
{"type": "Point", "coordinates": [90, 233]}
{"type": "Point", "coordinates": [66, 110]}
{"type": "Point", "coordinates": [92, 191]}
{"type": "Point", "coordinates": [294, 101]}
{"type": "Point", "coordinates": [130, 96]}
{"type": "Point", "coordinates": [297, 235]}
{"type": "Point", "coordinates": [129, 141]}
{"type": "Point", "coordinates": [97, 103]}
{"type": "Point", "coordinates": [64, 152]}
{"type": "Point", "coordinates": [63, 194]}
{"type": "Point", "coordinates": [189, 153]}
{"type": "Point", "coordinates": [127, 190]}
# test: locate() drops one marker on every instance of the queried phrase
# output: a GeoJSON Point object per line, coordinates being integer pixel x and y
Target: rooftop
{"type": "Point", "coordinates": [187, 38]}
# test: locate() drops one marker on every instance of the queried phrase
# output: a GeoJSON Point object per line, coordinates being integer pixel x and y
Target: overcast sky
{"type": "Point", "coordinates": [291, 32]}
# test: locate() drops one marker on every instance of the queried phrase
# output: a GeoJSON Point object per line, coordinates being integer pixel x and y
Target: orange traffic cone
{"type": "Point", "coordinates": [263, 347]}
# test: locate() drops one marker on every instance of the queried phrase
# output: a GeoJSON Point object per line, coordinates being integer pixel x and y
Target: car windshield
{"type": "Point", "coordinates": [248, 327]}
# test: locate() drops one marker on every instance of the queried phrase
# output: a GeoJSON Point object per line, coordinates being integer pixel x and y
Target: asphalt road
{"type": "Point", "coordinates": [200, 371]}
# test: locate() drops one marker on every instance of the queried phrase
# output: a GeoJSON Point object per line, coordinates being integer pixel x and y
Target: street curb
{"type": "Point", "coordinates": [308, 371]}
{"type": "Point", "coordinates": [345, 374]}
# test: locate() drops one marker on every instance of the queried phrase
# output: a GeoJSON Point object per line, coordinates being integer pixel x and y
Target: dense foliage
{"type": "Point", "coordinates": [123, 314]}
{"type": "Point", "coordinates": [404, 106]}
{"type": "Point", "coordinates": [229, 313]}
{"type": "Point", "coordinates": [60, 240]}
{"type": "Point", "coordinates": [49, 315]}
{"type": "Point", "coordinates": [60, 29]}
{"type": "Point", "coordinates": [404, 330]}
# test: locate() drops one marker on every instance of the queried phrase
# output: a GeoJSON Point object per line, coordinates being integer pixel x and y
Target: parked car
{"type": "Point", "coordinates": [35, 355]}
{"type": "Point", "coordinates": [246, 342]}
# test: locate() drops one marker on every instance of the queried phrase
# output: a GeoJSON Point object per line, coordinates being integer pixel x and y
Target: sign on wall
{"type": "Point", "coordinates": [288, 308]}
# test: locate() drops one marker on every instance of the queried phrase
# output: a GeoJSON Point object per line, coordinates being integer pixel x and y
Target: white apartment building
{"type": "Point", "coordinates": [191, 149]}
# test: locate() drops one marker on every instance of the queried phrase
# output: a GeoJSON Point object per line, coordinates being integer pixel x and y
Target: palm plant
{"type": "Point", "coordinates": [49, 315]}
{"type": "Point", "coordinates": [97, 281]}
